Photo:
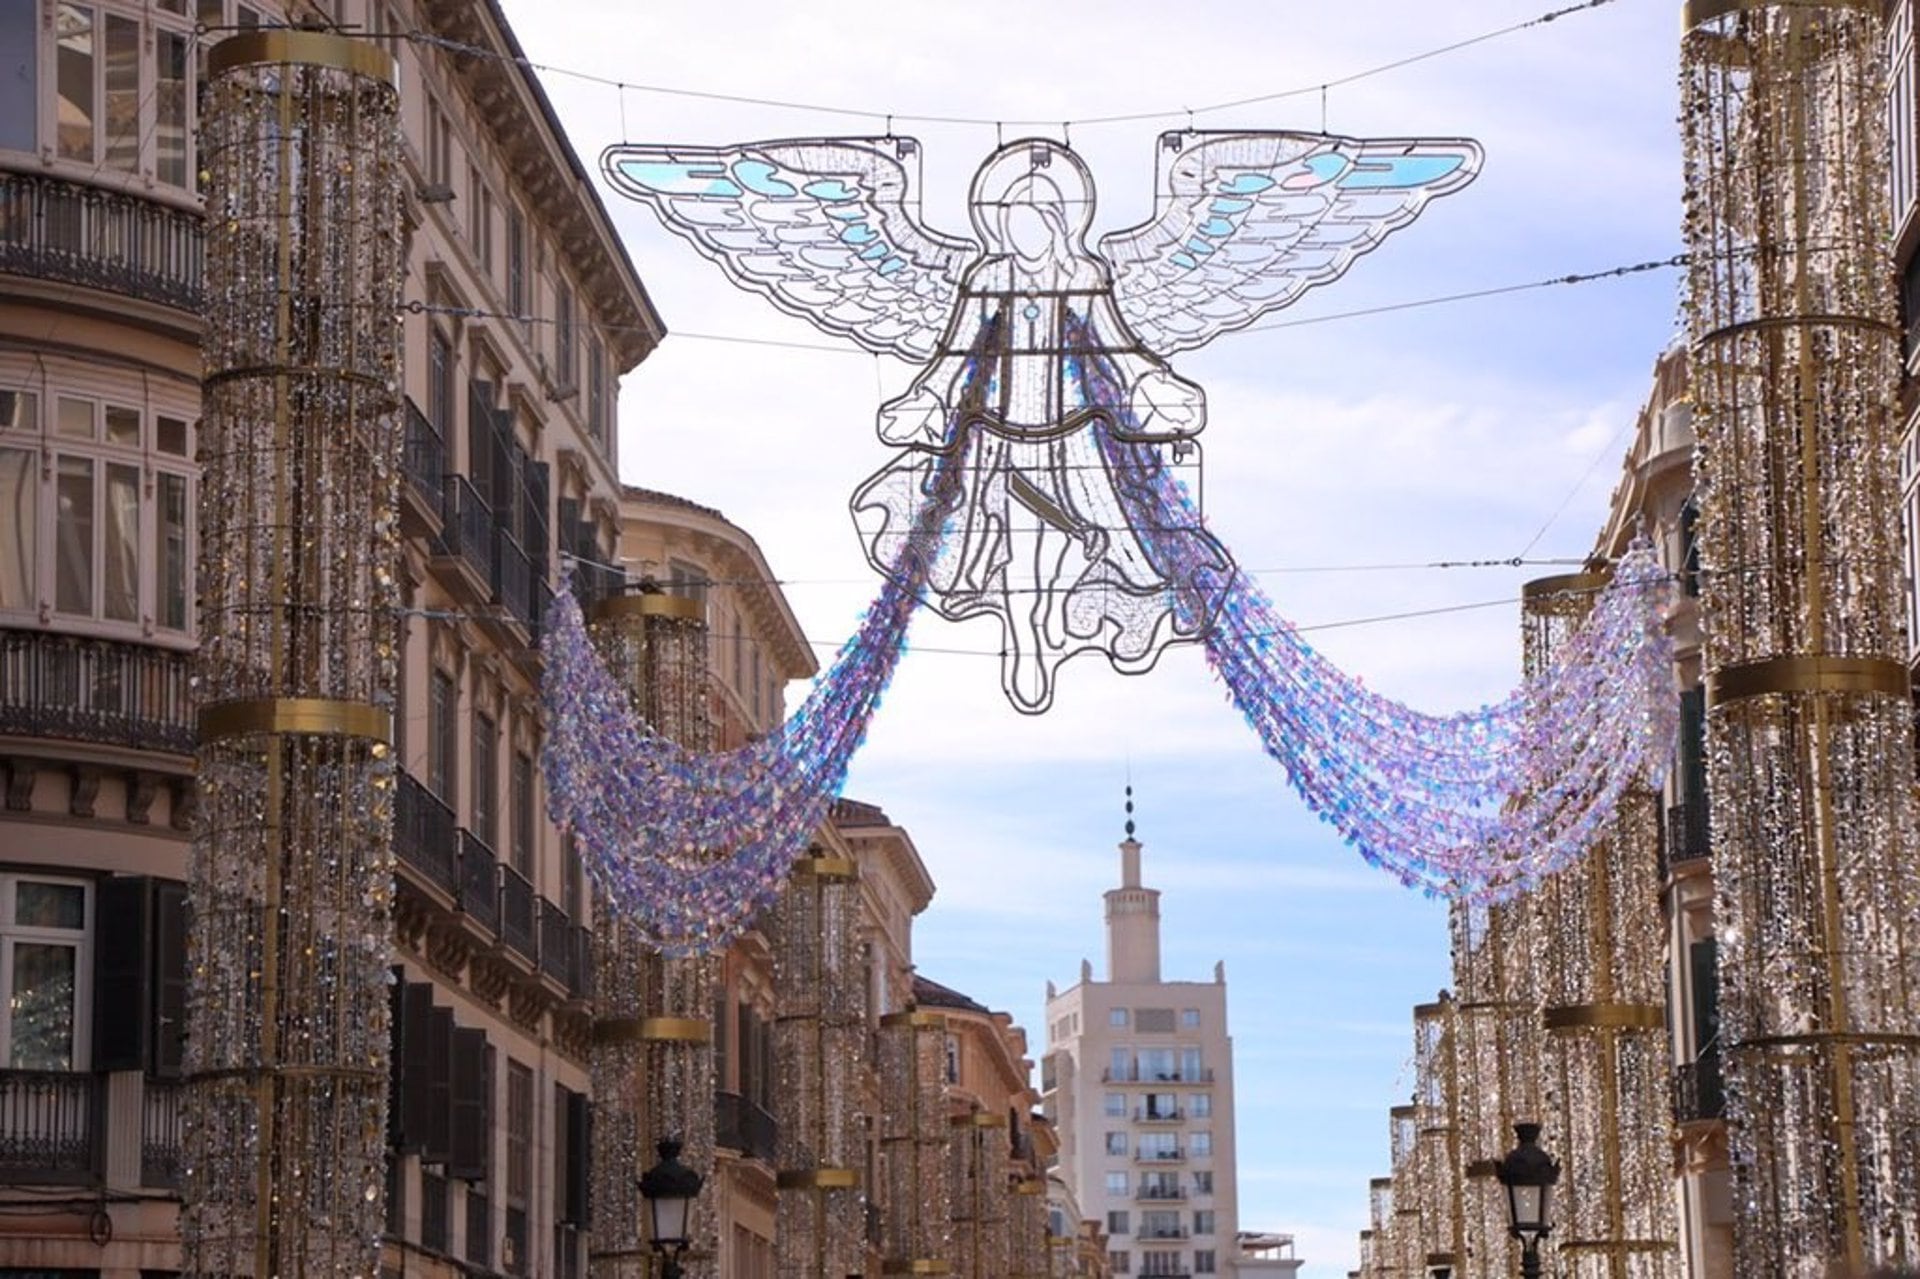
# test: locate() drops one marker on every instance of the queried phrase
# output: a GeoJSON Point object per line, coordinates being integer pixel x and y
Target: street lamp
{"type": "Point", "coordinates": [1528, 1173]}
{"type": "Point", "coordinates": [669, 1187]}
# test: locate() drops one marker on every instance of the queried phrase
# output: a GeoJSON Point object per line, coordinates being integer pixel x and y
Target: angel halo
{"type": "Point", "coordinates": [1044, 413]}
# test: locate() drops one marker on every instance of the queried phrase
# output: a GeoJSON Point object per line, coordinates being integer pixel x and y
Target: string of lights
{"type": "Point", "coordinates": [891, 118]}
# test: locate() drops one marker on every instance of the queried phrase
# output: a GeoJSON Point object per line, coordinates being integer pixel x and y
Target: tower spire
{"type": "Point", "coordinates": [1129, 808]}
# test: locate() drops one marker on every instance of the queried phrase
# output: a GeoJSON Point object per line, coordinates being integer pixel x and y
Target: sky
{"type": "Point", "coordinates": [1343, 456]}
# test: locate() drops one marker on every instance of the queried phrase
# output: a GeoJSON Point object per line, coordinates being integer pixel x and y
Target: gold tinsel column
{"type": "Point", "coordinates": [652, 1062]}
{"type": "Point", "coordinates": [1600, 976]}
{"type": "Point", "coordinates": [917, 1230]}
{"type": "Point", "coordinates": [819, 991]}
{"type": "Point", "coordinates": [1436, 1075]}
{"type": "Point", "coordinates": [291, 875]}
{"type": "Point", "coordinates": [1795, 353]}
{"type": "Point", "coordinates": [1408, 1233]}
{"type": "Point", "coordinates": [1498, 1021]}
{"type": "Point", "coordinates": [1027, 1228]}
{"type": "Point", "coordinates": [977, 1180]}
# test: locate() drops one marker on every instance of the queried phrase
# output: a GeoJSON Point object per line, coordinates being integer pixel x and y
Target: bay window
{"type": "Point", "coordinates": [43, 969]}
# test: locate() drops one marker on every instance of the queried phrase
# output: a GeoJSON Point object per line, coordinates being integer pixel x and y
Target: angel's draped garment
{"type": "Point", "coordinates": [1038, 376]}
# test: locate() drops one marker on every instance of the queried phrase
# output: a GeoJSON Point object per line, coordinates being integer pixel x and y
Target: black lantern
{"type": "Point", "coordinates": [1529, 1173]}
{"type": "Point", "coordinates": [669, 1187]}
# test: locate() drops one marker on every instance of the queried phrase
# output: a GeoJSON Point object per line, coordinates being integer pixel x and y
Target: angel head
{"type": "Point", "coordinates": [1033, 199]}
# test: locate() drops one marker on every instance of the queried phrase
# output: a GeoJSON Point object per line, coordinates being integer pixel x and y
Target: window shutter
{"type": "Point", "coordinates": [470, 1117]}
{"type": "Point", "coordinates": [436, 1147]}
{"type": "Point", "coordinates": [573, 1117]}
{"type": "Point", "coordinates": [120, 959]}
{"type": "Point", "coordinates": [168, 1050]}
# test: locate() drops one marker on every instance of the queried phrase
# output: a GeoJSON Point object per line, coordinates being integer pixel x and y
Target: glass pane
{"type": "Point", "coordinates": [19, 519]}
{"type": "Point", "coordinates": [173, 6]}
{"type": "Point", "coordinates": [170, 107]}
{"type": "Point", "coordinates": [170, 435]}
{"type": "Point", "coordinates": [212, 13]}
{"type": "Point", "coordinates": [41, 1006]}
{"type": "Point", "coordinates": [73, 536]}
{"type": "Point", "coordinates": [73, 68]}
{"type": "Point", "coordinates": [39, 905]}
{"type": "Point", "coordinates": [19, 76]}
{"type": "Point", "coordinates": [123, 426]}
{"type": "Point", "coordinates": [19, 411]}
{"type": "Point", "coordinates": [123, 93]}
{"type": "Point", "coordinates": [76, 419]}
{"type": "Point", "coordinates": [122, 594]}
{"type": "Point", "coordinates": [172, 593]}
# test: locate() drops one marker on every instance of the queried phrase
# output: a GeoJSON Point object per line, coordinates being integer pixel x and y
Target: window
{"type": "Point", "coordinates": [1159, 1185]}
{"type": "Point", "coordinates": [110, 103]}
{"type": "Point", "coordinates": [523, 816]}
{"type": "Point", "coordinates": [953, 1059]}
{"type": "Point", "coordinates": [442, 710]}
{"type": "Point", "coordinates": [1156, 1063]}
{"type": "Point", "coordinates": [19, 77]}
{"type": "Point", "coordinates": [1160, 1224]}
{"type": "Point", "coordinates": [1161, 1105]}
{"type": "Point", "coordinates": [486, 780]}
{"type": "Point", "coordinates": [439, 147]}
{"type": "Point", "coordinates": [756, 684]}
{"type": "Point", "coordinates": [563, 367]}
{"type": "Point", "coordinates": [440, 384]}
{"type": "Point", "coordinates": [1161, 1263]}
{"type": "Point", "coordinates": [1900, 110]}
{"type": "Point", "coordinates": [1120, 1063]}
{"type": "Point", "coordinates": [519, 1132]}
{"type": "Point", "coordinates": [44, 971]}
{"type": "Point", "coordinates": [1201, 1143]}
{"type": "Point", "coordinates": [1202, 1104]}
{"type": "Point", "coordinates": [1203, 1182]}
{"type": "Point", "coordinates": [1203, 1221]}
{"type": "Point", "coordinates": [1203, 1261]}
{"type": "Point", "coordinates": [1117, 1143]}
{"type": "Point", "coordinates": [1116, 1105]}
{"type": "Point", "coordinates": [1190, 1064]}
{"type": "Point", "coordinates": [1116, 1183]}
{"type": "Point", "coordinates": [573, 892]}
{"type": "Point", "coordinates": [1189, 1019]}
{"type": "Point", "coordinates": [1159, 1145]}
{"type": "Point", "coordinates": [1120, 1262]}
{"type": "Point", "coordinates": [516, 262]}
{"type": "Point", "coordinates": [689, 582]}
{"type": "Point", "coordinates": [1116, 1017]}
{"type": "Point", "coordinates": [95, 511]}
{"type": "Point", "coordinates": [596, 391]}
{"type": "Point", "coordinates": [1117, 1221]}
{"type": "Point", "coordinates": [480, 221]}
{"type": "Point", "coordinates": [74, 74]}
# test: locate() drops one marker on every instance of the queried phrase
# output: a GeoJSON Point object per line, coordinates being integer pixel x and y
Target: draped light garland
{"type": "Point", "coordinates": [1478, 805]}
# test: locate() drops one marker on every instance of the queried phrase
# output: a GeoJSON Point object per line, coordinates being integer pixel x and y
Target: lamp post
{"type": "Point", "coordinates": [669, 1187]}
{"type": "Point", "coordinates": [1529, 1173]}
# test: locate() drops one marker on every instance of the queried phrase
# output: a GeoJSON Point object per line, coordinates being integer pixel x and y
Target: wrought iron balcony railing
{"type": "Point", "coordinates": [556, 942]}
{"type": "Point", "coordinates": [513, 579]}
{"type": "Point", "coordinates": [1699, 1091]}
{"type": "Point", "coordinates": [479, 893]}
{"type": "Point", "coordinates": [516, 914]}
{"type": "Point", "coordinates": [425, 834]}
{"type": "Point", "coordinates": [160, 1133]}
{"type": "Point", "coordinates": [95, 690]}
{"type": "Point", "coordinates": [1687, 838]}
{"type": "Point", "coordinates": [49, 1126]}
{"type": "Point", "coordinates": [52, 229]}
{"type": "Point", "coordinates": [466, 527]}
{"type": "Point", "coordinates": [580, 963]}
{"type": "Point", "coordinates": [424, 458]}
{"type": "Point", "coordinates": [739, 1124]}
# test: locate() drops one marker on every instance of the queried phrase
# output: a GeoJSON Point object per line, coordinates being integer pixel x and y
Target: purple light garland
{"type": "Point", "coordinates": [1478, 805]}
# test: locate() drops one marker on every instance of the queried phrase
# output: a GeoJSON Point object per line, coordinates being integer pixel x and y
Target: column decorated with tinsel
{"type": "Point", "coordinates": [916, 1225]}
{"type": "Point", "coordinates": [1794, 360]}
{"type": "Point", "coordinates": [291, 871]}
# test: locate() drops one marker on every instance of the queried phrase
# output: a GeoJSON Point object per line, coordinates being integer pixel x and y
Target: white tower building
{"type": "Point", "coordinates": [1138, 1076]}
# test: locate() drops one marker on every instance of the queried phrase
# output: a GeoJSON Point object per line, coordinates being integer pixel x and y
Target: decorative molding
{"type": "Point", "coordinates": [86, 789]}
{"type": "Point", "coordinates": [142, 786]}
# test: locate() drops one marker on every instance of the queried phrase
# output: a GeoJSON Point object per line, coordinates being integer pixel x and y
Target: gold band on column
{"type": "Point", "coordinates": [817, 1179]}
{"type": "Point", "coordinates": [311, 48]}
{"type": "Point", "coordinates": [1807, 674]}
{"type": "Point", "coordinates": [316, 716]}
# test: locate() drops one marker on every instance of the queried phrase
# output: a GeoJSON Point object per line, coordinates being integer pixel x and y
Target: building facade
{"type": "Point", "coordinates": [1138, 1078]}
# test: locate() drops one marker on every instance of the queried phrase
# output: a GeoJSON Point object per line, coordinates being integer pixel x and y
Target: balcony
{"type": "Point", "coordinates": [1686, 833]}
{"type": "Point", "coordinates": [478, 890]}
{"type": "Point", "coordinates": [51, 229]}
{"type": "Point", "coordinates": [1160, 1155]}
{"type": "Point", "coordinates": [513, 579]}
{"type": "Point", "coordinates": [580, 963]}
{"type": "Point", "coordinates": [95, 690]}
{"type": "Point", "coordinates": [517, 915]}
{"type": "Point", "coordinates": [160, 1134]}
{"type": "Point", "coordinates": [466, 534]}
{"type": "Point", "coordinates": [1699, 1092]}
{"type": "Point", "coordinates": [1158, 1234]}
{"type": "Point", "coordinates": [740, 1125]}
{"type": "Point", "coordinates": [424, 460]}
{"type": "Point", "coordinates": [424, 834]}
{"type": "Point", "coordinates": [556, 942]}
{"type": "Point", "coordinates": [49, 1127]}
{"type": "Point", "coordinates": [1160, 1193]}
{"type": "Point", "coordinates": [1141, 1075]}
{"type": "Point", "coordinates": [1143, 1116]}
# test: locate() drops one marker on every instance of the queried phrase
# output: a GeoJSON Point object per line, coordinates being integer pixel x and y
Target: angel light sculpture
{"type": "Point", "coordinates": [1044, 382]}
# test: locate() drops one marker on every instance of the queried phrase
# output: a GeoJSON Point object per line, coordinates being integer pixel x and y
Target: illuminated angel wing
{"type": "Point", "coordinates": [1247, 222]}
{"type": "Point", "coordinates": [823, 228]}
